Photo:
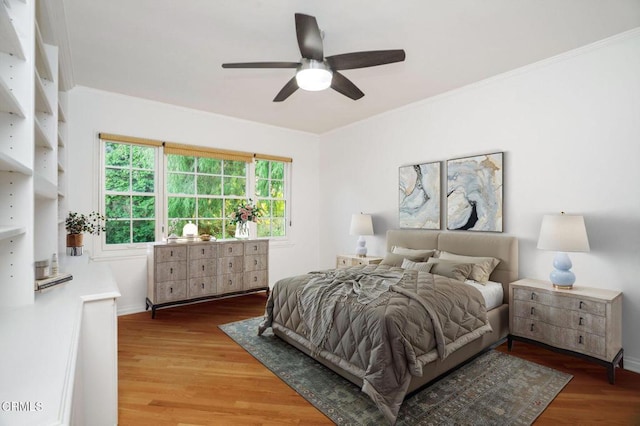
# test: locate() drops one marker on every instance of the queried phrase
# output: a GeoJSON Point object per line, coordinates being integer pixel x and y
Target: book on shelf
{"type": "Point", "coordinates": [52, 281]}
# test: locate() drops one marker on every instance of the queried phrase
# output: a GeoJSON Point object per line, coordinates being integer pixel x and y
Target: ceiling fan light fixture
{"type": "Point", "coordinates": [313, 76]}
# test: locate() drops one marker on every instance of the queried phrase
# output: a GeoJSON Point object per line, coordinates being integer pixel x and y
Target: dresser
{"type": "Point", "coordinates": [348, 260]}
{"type": "Point", "coordinates": [583, 321]}
{"type": "Point", "coordinates": [187, 272]}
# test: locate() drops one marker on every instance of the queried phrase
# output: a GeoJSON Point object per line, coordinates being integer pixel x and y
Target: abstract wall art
{"type": "Point", "coordinates": [474, 193]}
{"type": "Point", "coordinates": [419, 196]}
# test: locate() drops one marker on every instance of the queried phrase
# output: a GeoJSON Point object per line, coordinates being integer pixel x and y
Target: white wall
{"type": "Point", "coordinates": [92, 111]}
{"type": "Point", "coordinates": [570, 131]}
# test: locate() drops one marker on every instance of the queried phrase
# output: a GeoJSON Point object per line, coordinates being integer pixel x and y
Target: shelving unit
{"type": "Point", "coordinates": [30, 146]}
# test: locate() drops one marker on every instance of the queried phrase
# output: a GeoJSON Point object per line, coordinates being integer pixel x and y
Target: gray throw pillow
{"type": "Point", "coordinates": [451, 269]}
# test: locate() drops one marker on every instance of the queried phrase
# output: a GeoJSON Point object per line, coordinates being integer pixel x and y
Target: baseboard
{"type": "Point", "coordinates": [131, 309]}
{"type": "Point", "coordinates": [632, 364]}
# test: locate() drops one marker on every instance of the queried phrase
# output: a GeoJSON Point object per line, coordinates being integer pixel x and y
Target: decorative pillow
{"type": "Point", "coordinates": [412, 252]}
{"type": "Point", "coordinates": [394, 259]}
{"type": "Point", "coordinates": [449, 268]}
{"type": "Point", "coordinates": [418, 266]}
{"type": "Point", "coordinates": [482, 266]}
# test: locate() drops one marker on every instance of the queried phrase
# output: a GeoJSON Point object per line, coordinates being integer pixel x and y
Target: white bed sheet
{"type": "Point", "coordinates": [491, 291]}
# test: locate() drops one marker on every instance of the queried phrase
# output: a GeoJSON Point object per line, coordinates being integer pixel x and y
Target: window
{"type": "Point", "coordinates": [204, 191]}
{"type": "Point", "coordinates": [270, 197]}
{"type": "Point", "coordinates": [130, 193]}
{"type": "Point", "coordinates": [152, 189]}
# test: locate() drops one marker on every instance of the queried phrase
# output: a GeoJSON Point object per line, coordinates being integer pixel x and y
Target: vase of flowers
{"type": "Point", "coordinates": [245, 215]}
{"type": "Point", "coordinates": [77, 224]}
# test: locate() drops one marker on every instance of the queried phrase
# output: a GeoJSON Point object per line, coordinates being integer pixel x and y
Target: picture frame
{"type": "Point", "coordinates": [475, 193]}
{"type": "Point", "coordinates": [419, 196]}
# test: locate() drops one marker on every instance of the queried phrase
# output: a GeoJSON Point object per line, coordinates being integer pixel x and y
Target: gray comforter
{"type": "Point", "coordinates": [379, 323]}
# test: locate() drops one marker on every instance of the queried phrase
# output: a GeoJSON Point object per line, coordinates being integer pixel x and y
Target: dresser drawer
{"type": "Point", "coordinates": [256, 247]}
{"type": "Point", "coordinates": [231, 249]}
{"type": "Point", "coordinates": [574, 320]}
{"type": "Point", "coordinates": [204, 286]}
{"type": "Point", "coordinates": [171, 290]}
{"type": "Point", "coordinates": [230, 283]}
{"type": "Point", "coordinates": [202, 268]}
{"type": "Point", "coordinates": [230, 265]}
{"type": "Point", "coordinates": [170, 253]}
{"type": "Point", "coordinates": [202, 251]}
{"type": "Point", "coordinates": [255, 263]}
{"type": "Point", "coordinates": [560, 301]}
{"type": "Point", "coordinates": [256, 279]}
{"type": "Point", "coordinates": [171, 271]}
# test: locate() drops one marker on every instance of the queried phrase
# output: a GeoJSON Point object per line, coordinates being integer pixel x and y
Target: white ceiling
{"type": "Point", "coordinates": [172, 50]}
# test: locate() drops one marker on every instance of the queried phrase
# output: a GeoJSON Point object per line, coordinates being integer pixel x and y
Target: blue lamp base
{"type": "Point", "coordinates": [361, 248]}
{"type": "Point", "coordinates": [561, 276]}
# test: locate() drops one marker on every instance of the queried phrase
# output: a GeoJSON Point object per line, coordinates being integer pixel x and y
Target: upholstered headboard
{"type": "Point", "coordinates": [501, 247]}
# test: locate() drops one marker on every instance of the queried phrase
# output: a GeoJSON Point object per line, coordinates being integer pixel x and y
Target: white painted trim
{"type": "Point", "coordinates": [632, 364]}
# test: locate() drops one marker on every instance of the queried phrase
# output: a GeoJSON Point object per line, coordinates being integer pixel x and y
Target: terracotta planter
{"type": "Point", "coordinates": [74, 240]}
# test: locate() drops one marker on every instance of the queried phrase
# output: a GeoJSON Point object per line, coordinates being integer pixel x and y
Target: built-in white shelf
{"type": "Point", "coordinates": [10, 164]}
{"type": "Point", "coordinates": [9, 39]}
{"type": "Point", "coordinates": [11, 231]}
{"type": "Point", "coordinates": [61, 114]}
{"type": "Point", "coordinates": [44, 188]}
{"type": "Point", "coordinates": [8, 101]}
{"type": "Point", "coordinates": [60, 139]}
{"type": "Point", "coordinates": [42, 63]}
{"type": "Point", "coordinates": [42, 102]}
{"type": "Point", "coordinates": [40, 134]}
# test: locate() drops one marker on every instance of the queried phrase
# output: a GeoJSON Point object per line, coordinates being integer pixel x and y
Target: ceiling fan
{"type": "Point", "coordinates": [314, 71]}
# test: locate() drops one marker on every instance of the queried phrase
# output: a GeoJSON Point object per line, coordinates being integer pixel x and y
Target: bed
{"type": "Point", "coordinates": [392, 330]}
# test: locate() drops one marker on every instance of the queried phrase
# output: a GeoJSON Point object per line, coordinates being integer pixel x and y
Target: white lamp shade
{"type": "Point", "coordinates": [564, 233]}
{"type": "Point", "coordinates": [313, 75]}
{"type": "Point", "coordinates": [190, 230]}
{"type": "Point", "coordinates": [361, 224]}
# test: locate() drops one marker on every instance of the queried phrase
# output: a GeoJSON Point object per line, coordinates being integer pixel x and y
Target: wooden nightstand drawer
{"type": "Point", "coordinates": [348, 260]}
{"type": "Point", "coordinates": [171, 271]}
{"type": "Point", "coordinates": [171, 290]}
{"type": "Point", "coordinates": [202, 251]}
{"type": "Point", "coordinates": [171, 253]}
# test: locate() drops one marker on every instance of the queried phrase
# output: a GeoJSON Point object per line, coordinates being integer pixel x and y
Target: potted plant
{"type": "Point", "coordinates": [77, 224]}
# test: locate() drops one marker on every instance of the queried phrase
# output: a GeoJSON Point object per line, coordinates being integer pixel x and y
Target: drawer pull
{"type": "Point", "coordinates": [170, 289]}
{"type": "Point", "coordinates": [581, 321]}
{"type": "Point", "coordinates": [202, 285]}
{"type": "Point", "coordinates": [255, 279]}
{"type": "Point", "coordinates": [202, 251]}
{"type": "Point", "coordinates": [171, 271]}
{"type": "Point", "coordinates": [230, 249]}
{"type": "Point", "coordinates": [533, 310]}
{"type": "Point", "coordinates": [171, 253]}
{"type": "Point", "coordinates": [531, 328]}
{"type": "Point", "coordinates": [580, 306]}
{"type": "Point", "coordinates": [230, 282]}
{"type": "Point", "coordinates": [255, 248]}
{"type": "Point", "coordinates": [580, 340]}
{"type": "Point", "coordinates": [255, 262]}
{"type": "Point", "coordinates": [230, 265]}
{"type": "Point", "coordinates": [203, 267]}
{"type": "Point", "coordinates": [533, 296]}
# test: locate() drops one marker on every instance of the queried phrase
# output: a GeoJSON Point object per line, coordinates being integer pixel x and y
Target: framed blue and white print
{"type": "Point", "coordinates": [474, 193]}
{"type": "Point", "coordinates": [419, 196]}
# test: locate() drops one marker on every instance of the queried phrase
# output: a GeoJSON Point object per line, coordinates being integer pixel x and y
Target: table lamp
{"type": "Point", "coordinates": [361, 225]}
{"type": "Point", "coordinates": [563, 233]}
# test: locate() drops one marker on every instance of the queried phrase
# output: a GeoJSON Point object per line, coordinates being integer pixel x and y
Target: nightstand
{"type": "Point", "coordinates": [347, 260]}
{"type": "Point", "coordinates": [585, 322]}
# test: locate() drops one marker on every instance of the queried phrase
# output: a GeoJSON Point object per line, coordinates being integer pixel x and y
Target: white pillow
{"type": "Point", "coordinates": [418, 266]}
{"type": "Point", "coordinates": [482, 266]}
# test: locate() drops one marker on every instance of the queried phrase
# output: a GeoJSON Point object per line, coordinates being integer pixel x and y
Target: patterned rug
{"type": "Point", "coordinates": [494, 389]}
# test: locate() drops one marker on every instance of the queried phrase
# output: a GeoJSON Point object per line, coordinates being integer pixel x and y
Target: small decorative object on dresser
{"type": "Point", "coordinates": [584, 321]}
{"type": "Point", "coordinates": [563, 233]}
{"type": "Point", "coordinates": [347, 260]}
{"type": "Point", "coordinates": [361, 225]}
{"type": "Point", "coordinates": [245, 216]}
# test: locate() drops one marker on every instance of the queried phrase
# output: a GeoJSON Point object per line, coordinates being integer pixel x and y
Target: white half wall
{"type": "Point", "coordinates": [570, 130]}
{"type": "Point", "coordinates": [93, 111]}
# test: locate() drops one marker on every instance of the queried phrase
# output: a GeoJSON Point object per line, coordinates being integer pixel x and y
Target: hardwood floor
{"type": "Point", "coordinates": [181, 369]}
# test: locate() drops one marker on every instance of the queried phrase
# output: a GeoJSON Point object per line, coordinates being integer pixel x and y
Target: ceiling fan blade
{"type": "Point", "coordinates": [343, 85]}
{"type": "Point", "coordinates": [309, 37]}
{"type": "Point", "coordinates": [349, 61]}
{"type": "Point", "coordinates": [263, 65]}
{"type": "Point", "coordinates": [287, 90]}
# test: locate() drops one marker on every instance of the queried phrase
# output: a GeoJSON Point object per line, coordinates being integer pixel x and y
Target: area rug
{"type": "Point", "coordinates": [493, 389]}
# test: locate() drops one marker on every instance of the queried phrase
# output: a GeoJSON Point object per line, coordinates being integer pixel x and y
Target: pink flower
{"type": "Point", "coordinates": [244, 216]}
